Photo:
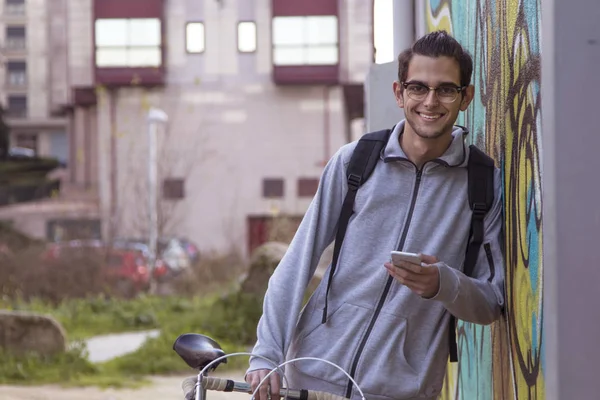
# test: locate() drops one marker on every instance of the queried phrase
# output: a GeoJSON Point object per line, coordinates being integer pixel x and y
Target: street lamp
{"type": "Point", "coordinates": [155, 118]}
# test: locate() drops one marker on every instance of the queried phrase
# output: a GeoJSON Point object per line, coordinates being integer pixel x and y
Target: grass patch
{"type": "Point", "coordinates": [84, 318]}
{"type": "Point", "coordinates": [230, 320]}
{"type": "Point", "coordinates": [70, 369]}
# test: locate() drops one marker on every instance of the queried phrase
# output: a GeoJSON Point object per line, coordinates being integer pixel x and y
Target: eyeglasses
{"type": "Point", "coordinates": [445, 93]}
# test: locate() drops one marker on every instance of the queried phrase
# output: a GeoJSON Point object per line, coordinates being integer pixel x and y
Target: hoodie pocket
{"type": "Point", "coordinates": [383, 368]}
{"type": "Point", "coordinates": [334, 341]}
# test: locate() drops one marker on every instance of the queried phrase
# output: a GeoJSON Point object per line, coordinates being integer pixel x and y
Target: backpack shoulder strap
{"type": "Point", "coordinates": [362, 163]}
{"type": "Point", "coordinates": [365, 156]}
{"type": "Point", "coordinates": [481, 197]}
{"type": "Point", "coordinates": [480, 169]}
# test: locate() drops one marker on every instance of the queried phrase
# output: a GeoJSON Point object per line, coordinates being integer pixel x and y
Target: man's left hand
{"type": "Point", "coordinates": [423, 280]}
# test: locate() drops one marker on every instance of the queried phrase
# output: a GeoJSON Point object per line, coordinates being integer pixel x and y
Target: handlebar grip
{"type": "Point", "coordinates": [227, 385]}
{"type": "Point", "coordinates": [189, 385]}
{"type": "Point", "coordinates": [224, 385]}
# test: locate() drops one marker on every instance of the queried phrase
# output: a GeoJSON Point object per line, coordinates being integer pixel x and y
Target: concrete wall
{"type": "Point", "coordinates": [571, 55]}
{"type": "Point", "coordinates": [37, 59]}
{"type": "Point", "coordinates": [381, 108]}
{"type": "Point", "coordinates": [57, 48]}
{"type": "Point", "coordinates": [46, 71]}
{"type": "Point", "coordinates": [79, 33]}
{"type": "Point", "coordinates": [506, 360]}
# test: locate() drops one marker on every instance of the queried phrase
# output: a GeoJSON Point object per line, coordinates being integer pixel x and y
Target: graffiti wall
{"type": "Point", "coordinates": [506, 360]}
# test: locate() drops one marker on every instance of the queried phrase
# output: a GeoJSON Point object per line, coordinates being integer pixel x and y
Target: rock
{"type": "Point", "coordinates": [22, 332]}
{"type": "Point", "coordinates": [263, 262]}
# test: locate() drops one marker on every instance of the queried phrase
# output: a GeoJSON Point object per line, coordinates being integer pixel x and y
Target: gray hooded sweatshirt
{"type": "Point", "coordinates": [392, 341]}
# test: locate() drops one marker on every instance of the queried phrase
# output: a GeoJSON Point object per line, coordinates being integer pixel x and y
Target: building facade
{"type": "Point", "coordinates": [27, 78]}
{"type": "Point", "coordinates": [259, 95]}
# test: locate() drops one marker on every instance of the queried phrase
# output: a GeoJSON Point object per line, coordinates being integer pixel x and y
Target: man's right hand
{"type": "Point", "coordinates": [255, 377]}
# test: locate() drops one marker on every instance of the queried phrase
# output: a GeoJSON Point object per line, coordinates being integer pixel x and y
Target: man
{"type": "Point", "coordinates": [390, 334]}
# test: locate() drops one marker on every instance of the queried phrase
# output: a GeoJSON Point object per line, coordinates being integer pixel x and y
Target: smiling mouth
{"type": "Point", "coordinates": [430, 116]}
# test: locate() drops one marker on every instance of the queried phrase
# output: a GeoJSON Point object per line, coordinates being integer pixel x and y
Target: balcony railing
{"type": "Point", "coordinates": [16, 112]}
{"type": "Point", "coordinates": [14, 9]}
{"type": "Point", "coordinates": [16, 43]}
{"type": "Point", "coordinates": [16, 78]}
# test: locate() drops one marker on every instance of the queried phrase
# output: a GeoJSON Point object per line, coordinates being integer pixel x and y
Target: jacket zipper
{"type": "Point", "coordinates": [488, 253]}
{"type": "Point", "coordinates": [388, 284]}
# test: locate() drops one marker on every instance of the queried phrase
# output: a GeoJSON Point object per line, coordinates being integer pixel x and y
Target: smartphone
{"type": "Point", "coordinates": [413, 258]}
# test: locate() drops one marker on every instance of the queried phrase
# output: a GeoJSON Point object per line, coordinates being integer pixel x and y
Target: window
{"type": "Point", "coordinates": [15, 37]}
{"type": "Point", "coordinates": [15, 7]}
{"type": "Point", "coordinates": [27, 141]}
{"type": "Point", "coordinates": [17, 73]}
{"type": "Point", "coordinates": [17, 106]}
{"type": "Point", "coordinates": [307, 187]}
{"type": "Point", "coordinates": [173, 189]}
{"type": "Point", "coordinates": [195, 40]}
{"type": "Point", "coordinates": [305, 40]}
{"type": "Point", "coordinates": [247, 37]}
{"type": "Point", "coordinates": [128, 42]}
{"type": "Point", "coordinates": [272, 187]}
{"type": "Point", "coordinates": [59, 230]}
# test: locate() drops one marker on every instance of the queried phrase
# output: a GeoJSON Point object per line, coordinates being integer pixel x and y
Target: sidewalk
{"type": "Point", "coordinates": [106, 347]}
{"type": "Point", "coordinates": [162, 388]}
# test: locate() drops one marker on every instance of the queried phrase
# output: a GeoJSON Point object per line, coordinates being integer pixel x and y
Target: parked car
{"type": "Point", "coordinates": [129, 269]}
{"type": "Point", "coordinates": [160, 272]}
{"type": "Point", "coordinates": [190, 248]}
{"type": "Point", "coordinates": [177, 254]}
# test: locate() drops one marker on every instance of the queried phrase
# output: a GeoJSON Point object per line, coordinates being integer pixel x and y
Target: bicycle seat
{"type": "Point", "coordinates": [198, 350]}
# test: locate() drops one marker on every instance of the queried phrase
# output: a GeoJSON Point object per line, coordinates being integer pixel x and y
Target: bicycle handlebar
{"type": "Point", "coordinates": [228, 385]}
{"type": "Point", "coordinates": [189, 386]}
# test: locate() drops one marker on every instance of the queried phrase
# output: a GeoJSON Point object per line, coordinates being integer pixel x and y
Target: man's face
{"type": "Point", "coordinates": [430, 118]}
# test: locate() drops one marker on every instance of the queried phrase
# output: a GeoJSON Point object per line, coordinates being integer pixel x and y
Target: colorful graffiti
{"type": "Point", "coordinates": [505, 360]}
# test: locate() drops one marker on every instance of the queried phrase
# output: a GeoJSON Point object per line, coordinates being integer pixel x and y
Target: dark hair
{"type": "Point", "coordinates": [437, 44]}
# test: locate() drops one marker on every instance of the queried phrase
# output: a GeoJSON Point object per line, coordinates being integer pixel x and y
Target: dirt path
{"type": "Point", "coordinates": [106, 347]}
{"type": "Point", "coordinates": [162, 388]}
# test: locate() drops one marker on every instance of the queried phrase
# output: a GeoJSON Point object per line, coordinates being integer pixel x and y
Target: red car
{"type": "Point", "coordinates": [130, 268]}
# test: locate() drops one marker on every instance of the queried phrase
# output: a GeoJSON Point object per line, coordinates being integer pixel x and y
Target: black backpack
{"type": "Point", "coordinates": [480, 169]}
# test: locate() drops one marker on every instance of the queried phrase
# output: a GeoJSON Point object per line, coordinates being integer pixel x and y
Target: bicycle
{"type": "Point", "coordinates": [205, 354]}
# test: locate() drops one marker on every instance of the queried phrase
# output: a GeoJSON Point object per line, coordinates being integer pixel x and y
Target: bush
{"type": "Point", "coordinates": [17, 168]}
{"type": "Point", "coordinates": [27, 275]}
{"type": "Point", "coordinates": [211, 273]}
{"type": "Point", "coordinates": [16, 241]}
{"type": "Point", "coordinates": [231, 318]}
